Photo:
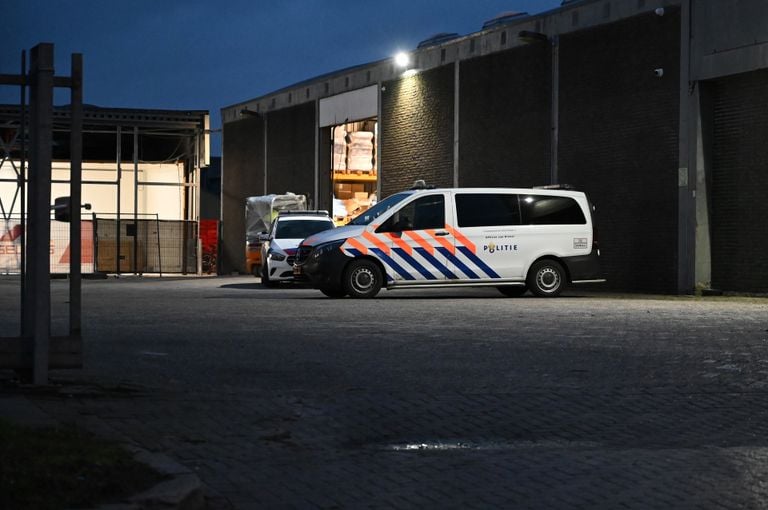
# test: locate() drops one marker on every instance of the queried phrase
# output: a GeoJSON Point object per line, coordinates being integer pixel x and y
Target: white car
{"type": "Point", "coordinates": [279, 249]}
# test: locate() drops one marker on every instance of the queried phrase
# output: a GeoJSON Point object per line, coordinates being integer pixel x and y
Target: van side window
{"type": "Point", "coordinates": [421, 214]}
{"type": "Point", "coordinates": [487, 209]}
{"type": "Point", "coordinates": [549, 210]}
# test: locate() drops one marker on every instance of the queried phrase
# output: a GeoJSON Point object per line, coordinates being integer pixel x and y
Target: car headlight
{"type": "Point", "coordinates": [279, 257]}
{"type": "Point", "coordinates": [323, 249]}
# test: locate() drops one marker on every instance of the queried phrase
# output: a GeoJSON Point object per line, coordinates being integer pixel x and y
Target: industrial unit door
{"type": "Point", "coordinates": [739, 193]}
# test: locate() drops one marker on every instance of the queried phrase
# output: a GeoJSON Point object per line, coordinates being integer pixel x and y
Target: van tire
{"type": "Point", "coordinates": [333, 292]}
{"type": "Point", "coordinates": [362, 279]}
{"type": "Point", "coordinates": [265, 281]}
{"type": "Point", "coordinates": [546, 278]}
{"type": "Point", "coordinates": [513, 290]}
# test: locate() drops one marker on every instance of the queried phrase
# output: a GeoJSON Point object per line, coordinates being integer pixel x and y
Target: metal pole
{"type": "Point", "coordinates": [135, 199]}
{"type": "Point", "coordinates": [75, 192]}
{"type": "Point", "coordinates": [555, 41]}
{"type": "Point", "coordinates": [187, 213]}
{"type": "Point", "coordinates": [197, 190]}
{"type": "Point", "coordinates": [119, 178]}
{"type": "Point", "coordinates": [23, 186]}
{"type": "Point", "coordinates": [266, 165]}
{"type": "Point", "coordinates": [38, 324]}
{"type": "Point", "coordinates": [159, 250]}
{"type": "Point", "coordinates": [456, 103]}
{"type": "Point", "coordinates": [316, 189]}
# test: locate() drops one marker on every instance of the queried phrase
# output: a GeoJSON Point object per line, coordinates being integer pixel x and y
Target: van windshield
{"type": "Point", "coordinates": [377, 210]}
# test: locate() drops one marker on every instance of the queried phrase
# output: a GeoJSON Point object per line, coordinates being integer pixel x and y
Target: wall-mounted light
{"type": "Point", "coordinates": [402, 59]}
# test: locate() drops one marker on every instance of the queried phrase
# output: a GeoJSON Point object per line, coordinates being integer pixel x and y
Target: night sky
{"type": "Point", "coordinates": [204, 55]}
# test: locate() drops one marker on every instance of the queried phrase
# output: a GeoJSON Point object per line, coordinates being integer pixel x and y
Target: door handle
{"type": "Point", "coordinates": [441, 233]}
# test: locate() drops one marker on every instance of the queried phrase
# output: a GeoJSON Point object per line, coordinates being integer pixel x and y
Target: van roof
{"type": "Point", "coordinates": [529, 191]}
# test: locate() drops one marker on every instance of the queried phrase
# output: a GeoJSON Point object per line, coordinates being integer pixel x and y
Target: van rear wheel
{"type": "Point", "coordinates": [362, 279]}
{"type": "Point", "coordinates": [546, 278]}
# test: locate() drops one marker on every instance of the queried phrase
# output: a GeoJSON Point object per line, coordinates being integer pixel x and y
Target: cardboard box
{"type": "Point", "coordinates": [343, 195]}
{"type": "Point", "coordinates": [357, 188]}
{"type": "Point", "coordinates": [342, 186]}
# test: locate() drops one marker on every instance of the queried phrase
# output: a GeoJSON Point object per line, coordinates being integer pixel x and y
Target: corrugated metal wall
{"type": "Point", "coordinates": [619, 128]}
{"type": "Point", "coordinates": [739, 207]}
{"type": "Point", "coordinates": [242, 176]}
{"type": "Point", "coordinates": [291, 150]}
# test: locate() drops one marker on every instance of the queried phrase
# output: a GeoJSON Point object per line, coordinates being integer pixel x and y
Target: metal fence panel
{"type": "Point", "coordinates": [146, 246]}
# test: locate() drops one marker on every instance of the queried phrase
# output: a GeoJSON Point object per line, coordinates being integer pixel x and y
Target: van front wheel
{"type": "Point", "coordinates": [362, 279]}
{"type": "Point", "coordinates": [546, 278]}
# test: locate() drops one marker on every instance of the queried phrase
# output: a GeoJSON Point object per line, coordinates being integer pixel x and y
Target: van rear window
{"type": "Point", "coordinates": [549, 210]}
{"type": "Point", "coordinates": [487, 209]}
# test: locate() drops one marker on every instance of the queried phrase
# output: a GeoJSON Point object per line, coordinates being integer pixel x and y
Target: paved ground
{"type": "Point", "coordinates": [425, 399]}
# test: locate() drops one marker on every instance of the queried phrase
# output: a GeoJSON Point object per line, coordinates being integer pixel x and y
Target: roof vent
{"type": "Point", "coordinates": [436, 39]}
{"type": "Point", "coordinates": [504, 18]}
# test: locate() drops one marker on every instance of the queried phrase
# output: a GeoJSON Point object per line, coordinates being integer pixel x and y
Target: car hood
{"type": "Point", "coordinates": [335, 234]}
{"type": "Point", "coordinates": [288, 246]}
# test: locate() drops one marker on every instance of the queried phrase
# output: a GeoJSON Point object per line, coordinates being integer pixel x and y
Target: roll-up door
{"type": "Point", "coordinates": [739, 192]}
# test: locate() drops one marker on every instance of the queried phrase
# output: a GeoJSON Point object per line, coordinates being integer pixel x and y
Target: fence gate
{"type": "Point", "coordinates": [146, 245]}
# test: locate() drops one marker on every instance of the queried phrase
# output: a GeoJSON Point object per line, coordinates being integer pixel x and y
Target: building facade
{"type": "Point", "coordinates": [656, 108]}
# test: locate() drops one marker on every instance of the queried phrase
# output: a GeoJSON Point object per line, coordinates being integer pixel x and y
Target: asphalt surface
{"type": "Point", "coordinates": [423, 399]}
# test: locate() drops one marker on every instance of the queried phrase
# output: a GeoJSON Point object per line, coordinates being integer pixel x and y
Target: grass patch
{"type": "Point", "coordinates": [54, 468]}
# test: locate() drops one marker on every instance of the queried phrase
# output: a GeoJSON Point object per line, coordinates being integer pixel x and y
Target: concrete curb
{"type": "Point", "coordinates": [182, 490]}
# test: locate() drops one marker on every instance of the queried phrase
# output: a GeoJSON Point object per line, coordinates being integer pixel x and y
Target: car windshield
{"type": "Point", "coordinates": [377, 210]}
{"type": "Point", "coordinates": [300, 229]}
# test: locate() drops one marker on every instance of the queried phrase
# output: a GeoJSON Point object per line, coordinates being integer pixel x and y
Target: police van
{"type": "Point", "coordinates": [518, 240]}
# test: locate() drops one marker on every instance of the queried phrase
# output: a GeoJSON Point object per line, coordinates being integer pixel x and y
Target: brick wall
{"type": "Point", "coordinates": [242, 176]}
{"type": "Point", "coordinates": [417, 130]}
{"type": "Point", "coordinates": [740, 183]}
{"type": "Point", "coordinates": [291, 150]}
{"type": "Point", "coordinates": [619, 142]}
{"type": "Point", "coordinates": [504, 118]}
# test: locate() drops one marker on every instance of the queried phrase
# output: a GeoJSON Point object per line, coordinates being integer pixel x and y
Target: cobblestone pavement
{"type": "Point", "coordinates": [426, 399]}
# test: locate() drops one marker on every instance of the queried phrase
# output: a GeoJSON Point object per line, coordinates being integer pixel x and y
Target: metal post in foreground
{"type": "Point", "coordinates": [75, 192]}
{"type": "Point", "coordinates": [37, 325]}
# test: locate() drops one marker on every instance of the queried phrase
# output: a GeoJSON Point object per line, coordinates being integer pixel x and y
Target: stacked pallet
{"type": "Point", "coordinates": [360, 151]}
{"type": "Point", "coordinates": [339, 149]}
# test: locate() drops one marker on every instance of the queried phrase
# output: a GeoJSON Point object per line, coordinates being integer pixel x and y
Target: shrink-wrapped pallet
{"type": "Point", "coordinates": [360, 151]}
{"type": "Point", "coordinates": [339, 148]}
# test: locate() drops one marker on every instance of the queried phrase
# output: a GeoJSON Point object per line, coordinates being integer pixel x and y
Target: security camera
{"type": "Point", "coordinates": [658, 72]}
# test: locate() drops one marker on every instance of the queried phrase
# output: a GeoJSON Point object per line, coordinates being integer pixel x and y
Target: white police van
{"type": "Point", "coordinates": [537, 239]}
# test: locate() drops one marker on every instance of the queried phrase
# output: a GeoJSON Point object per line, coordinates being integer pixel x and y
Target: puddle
{"type": "Point", "coordinates": [421, 446]}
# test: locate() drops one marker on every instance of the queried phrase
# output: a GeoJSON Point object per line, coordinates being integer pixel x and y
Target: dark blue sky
{"type": "Point", "coordinates": [197, 54]}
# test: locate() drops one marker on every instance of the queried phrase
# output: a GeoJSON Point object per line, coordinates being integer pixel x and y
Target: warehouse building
{"type": "Point", "coordinates": [658, 109]}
